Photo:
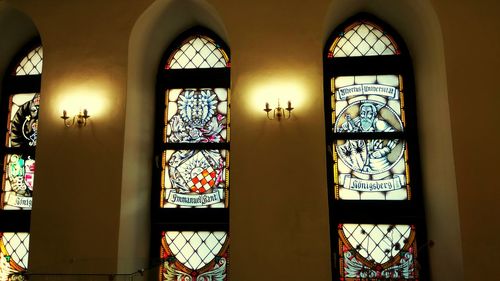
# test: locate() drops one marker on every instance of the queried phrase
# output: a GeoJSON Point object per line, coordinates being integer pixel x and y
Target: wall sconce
{"type": "Point", "coordinates": [279, 112]}
{"type": "Point", "coordinates": [80, 119]}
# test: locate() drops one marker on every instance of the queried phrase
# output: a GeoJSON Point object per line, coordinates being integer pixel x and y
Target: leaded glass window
{"type": "Point", "coordinates": [194, 254]}
{"type": "Point", "coordinates": [374, 191]}
{"type": "Point", "coordinates": [20, 101]}
{"type": "Point", "coordinates": [190, 223]}
{"type": "Point", "coordinates": [14, 252]}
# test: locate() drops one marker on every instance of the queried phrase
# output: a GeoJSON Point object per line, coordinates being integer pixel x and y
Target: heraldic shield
{"type": "Point", "coordinates": [354, 154]}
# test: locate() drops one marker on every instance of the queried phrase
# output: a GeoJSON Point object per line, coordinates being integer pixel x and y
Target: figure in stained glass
{"type": "Point", "coordinates": [371, 155]}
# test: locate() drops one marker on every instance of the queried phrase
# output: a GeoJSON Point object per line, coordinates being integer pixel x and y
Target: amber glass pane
{"type": "Point", "coordinates": [375, 252]}
{"type": "Point", "coordinates": [194, 255]}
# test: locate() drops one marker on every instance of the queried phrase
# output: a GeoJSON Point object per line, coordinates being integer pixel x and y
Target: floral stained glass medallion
{"type": "Point", "coordinates": [369, 169]}
{"type": "Point", "coordinates": [18, 182]}
{"type": "Point", "coordinates": [196, 116]}
{"type": "Point", "coordinates": [377, 252]}
{"type": "Point", "coordinates": [195, 179]}
{"type": "Point", "coordinates": [14, 252]}
{"type": "Point", "coordinates": [194, 255]}
{"type": "Point", "coordinates": [23, 120]}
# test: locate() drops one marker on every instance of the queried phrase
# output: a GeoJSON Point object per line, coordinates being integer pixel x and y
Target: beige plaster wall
{"type": "Point", "coordinates": [101, 55]}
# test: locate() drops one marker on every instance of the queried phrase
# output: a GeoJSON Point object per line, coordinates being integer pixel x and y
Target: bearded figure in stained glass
{"type": "Point", "coordinates": [197, 119]}
{"type": "Point", "coordinates": [368, 156]}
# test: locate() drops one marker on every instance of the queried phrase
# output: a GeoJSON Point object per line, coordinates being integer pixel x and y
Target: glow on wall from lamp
{"type": "Point", "coordinates": [284, 90]}
{"type": "Point", "coordinates": [77, 100]}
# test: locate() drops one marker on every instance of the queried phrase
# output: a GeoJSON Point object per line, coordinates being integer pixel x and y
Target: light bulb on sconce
{"type": "Point", "coordinates": [279, 112]}
{"type": "Point", "coordinates": [80, 119]}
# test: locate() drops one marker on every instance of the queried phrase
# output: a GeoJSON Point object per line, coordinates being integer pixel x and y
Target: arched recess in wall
{"type": "Point", "coordinates": [152, 33]}
{"type": "Point", "coordinates": [20, 78]}
{"type": "Point", "coordinates": [417, 23]}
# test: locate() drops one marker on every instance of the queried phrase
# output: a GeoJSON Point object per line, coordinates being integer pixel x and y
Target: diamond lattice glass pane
{"type": "Point", "coordinates": [32, 63]}
{"type": "Point", "coordinates": [363, 39]}
{"type": "Point", "coordinates": [23, 120]}
{"type": "Point", "coordinates": [377, 252]}
{"type": "Point", "coordinates": [201, 254]}
{"type": "Point", "coordinates": [195, 179]}
{"type": "Point", "coordinates": [198, 52]}
{"type": "Point", "coordinates": [14, 252]}
{"type": "Point", "coordinates": [196, 116]}
{"type": "Point", "coordinates": [19, 176]}
{"type": "Point", "coordinates": [367, 103]}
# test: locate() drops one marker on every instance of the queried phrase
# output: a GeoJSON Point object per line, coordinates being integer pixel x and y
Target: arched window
{"type": "Point", "coordinates": [19, 115]}
{"type": "Point", "coordinates": [376, 210]}
{"type": "Point", "coordinates": [190, 194]}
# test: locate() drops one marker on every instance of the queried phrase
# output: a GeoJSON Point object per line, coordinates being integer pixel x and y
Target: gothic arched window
{"type": "Point", "coordinates": [19, 115]}
{"type": "Point", "coordinates": [375, 196]}
{"type": "Point", "coordinates": [190, 194]}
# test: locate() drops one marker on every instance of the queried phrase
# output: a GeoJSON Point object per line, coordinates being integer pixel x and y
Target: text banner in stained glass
{"type": "Point", "coordinates": [196, 116]}
{"type": "Point", "coordinates": [372, 103]}
{"type": "Point", "coordinates": [194, 255]}
{"type": "Point", "coordinates": [195, 179]}
{"type": "Point", "coordinates": [14, 252]}
{"type": "Point", "coordinates": [23, 120]}
{"type": "Point", "coordinates": [377, 252]}
{"type": "Point", "coordinates": [372, 169]}
{"type": "Point", "coordinates": [18, 182]}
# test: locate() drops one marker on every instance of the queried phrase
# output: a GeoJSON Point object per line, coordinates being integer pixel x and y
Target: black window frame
{"type": "Point", "coordinates": [409, 211]}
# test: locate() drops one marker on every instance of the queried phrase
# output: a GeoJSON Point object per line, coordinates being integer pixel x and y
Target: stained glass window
{"type": "Point", "coordinates": [20, 100]}
{"type": "Point", "coordinates": [377, 252]}
{"type": "Point", "coordinates": [192, 151]}
{"type": "Point", "coordinates": [372, 147]}
{"type": "Point", "coordinates": [201, 255]}
{"type": "Point", "coordinates": [14, 252]}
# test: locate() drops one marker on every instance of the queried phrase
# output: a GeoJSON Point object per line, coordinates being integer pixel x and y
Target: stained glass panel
{"type": "Point", "coordinates": [195, 179]}
{"type": "Point", "coordinates": [32, 63]}
{"type": "Point", "coordinates": [18, 182]}
{"type": "Point", "coordinates": [373, 169]}
{"type": "Point", "coordinates": [368, 103]}
{"type": "Point", "coordinates": [198, 51]}
{"type": "Point", "coordinates": [196, 116]}
{"type": "Point", "coordinates": [23, 120]}
{"type": "Point", "coordinates": [375, 252]}
{"type": "Point", "coordinates": [14, 252]}
{"type": "Point", "coordinates": [194, 255]}
{"type": "Point", "coordinates": [363, 39]}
